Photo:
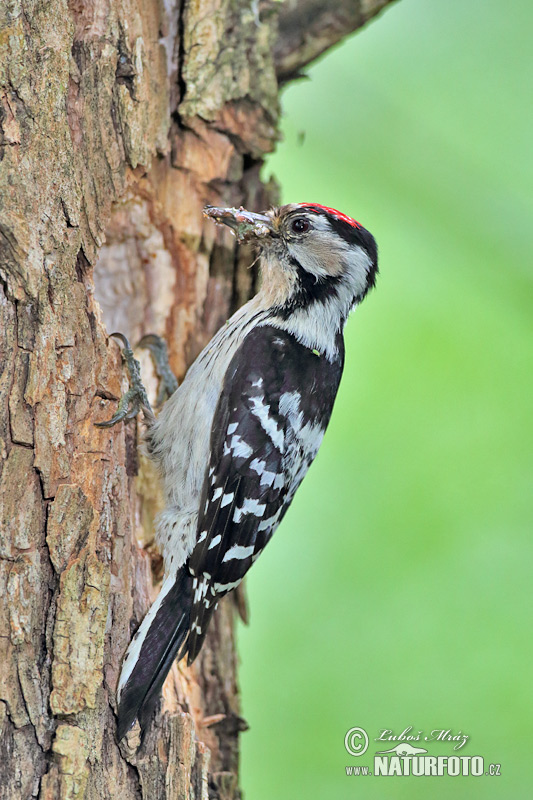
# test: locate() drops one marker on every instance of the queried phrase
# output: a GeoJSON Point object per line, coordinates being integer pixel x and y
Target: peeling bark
{"type": "Point", "coordinates": [119, 120]}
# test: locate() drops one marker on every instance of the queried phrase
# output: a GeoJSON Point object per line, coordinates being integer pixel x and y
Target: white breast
{"type": "Point", "coordinates": [180, 438]}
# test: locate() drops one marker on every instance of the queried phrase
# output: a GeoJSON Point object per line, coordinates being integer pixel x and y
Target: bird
{"type": "Point", "coordinates": [234, 441]}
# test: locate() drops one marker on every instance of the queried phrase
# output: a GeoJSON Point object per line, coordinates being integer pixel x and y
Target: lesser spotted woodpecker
{"type": "Point", "coordinates": [235, 440]}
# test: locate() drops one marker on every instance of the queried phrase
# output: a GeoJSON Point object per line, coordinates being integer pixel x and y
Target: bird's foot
{"type": "Point", "coordinates": [159, 353]}
{"type": "Point", "coordinates": [135, 399]}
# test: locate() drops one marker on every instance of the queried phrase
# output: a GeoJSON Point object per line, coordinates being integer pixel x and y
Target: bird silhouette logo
{"type": "Point", "coordinates": [404, 749]}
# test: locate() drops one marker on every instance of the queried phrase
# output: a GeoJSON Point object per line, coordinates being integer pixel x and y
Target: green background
{"type": "Point", "coordinates": [398, 589]}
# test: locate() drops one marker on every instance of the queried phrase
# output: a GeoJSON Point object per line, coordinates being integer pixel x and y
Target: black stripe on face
{"type": "Point", "coordinates": [361, 237]}
{"type": "Point", "coordinates": [309, 289]}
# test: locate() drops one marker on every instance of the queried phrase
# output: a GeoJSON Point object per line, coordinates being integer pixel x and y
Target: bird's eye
{"type": "Point", "coordinates": [300, 225]}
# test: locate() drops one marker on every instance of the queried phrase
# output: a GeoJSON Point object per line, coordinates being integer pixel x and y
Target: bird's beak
{"type": "Point", "coordinates": [245, 224]}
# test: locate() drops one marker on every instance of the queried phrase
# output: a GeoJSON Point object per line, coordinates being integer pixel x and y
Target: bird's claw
{"type": "Point", "coordinates": [167, 380]}
{"type": "Point", "coordinates": [135, 399]}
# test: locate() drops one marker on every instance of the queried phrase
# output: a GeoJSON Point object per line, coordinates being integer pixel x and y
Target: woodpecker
{"type": "Point", "coordinates": [234, 441]}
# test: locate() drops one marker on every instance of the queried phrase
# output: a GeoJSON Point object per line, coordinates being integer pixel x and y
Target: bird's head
{"type": "Point", "coordinates": [310, 254]}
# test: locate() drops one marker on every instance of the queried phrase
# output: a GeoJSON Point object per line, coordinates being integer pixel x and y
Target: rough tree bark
{"type": "Point", "coordinates": [119, 119]}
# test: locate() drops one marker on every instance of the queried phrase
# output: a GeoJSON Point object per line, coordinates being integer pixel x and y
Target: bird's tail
{"type": "Point", "coordinates": [152, 651]}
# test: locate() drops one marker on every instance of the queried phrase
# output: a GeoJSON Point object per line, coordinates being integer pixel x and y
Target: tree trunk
{"type": "Point", "coordinates": [119, 120]}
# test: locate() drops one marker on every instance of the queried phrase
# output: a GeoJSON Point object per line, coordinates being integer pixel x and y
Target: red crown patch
{"type": "Point", "coordinates": [333, 212]}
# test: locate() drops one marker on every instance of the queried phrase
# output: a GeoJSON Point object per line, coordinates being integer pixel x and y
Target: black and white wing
{"type": "Point", "coordinates": [265, 434]}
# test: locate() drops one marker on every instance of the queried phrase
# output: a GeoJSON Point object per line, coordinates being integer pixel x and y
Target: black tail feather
{"type": "Point", "coordinates": [196, 638]}
{"type": "Point", "coordinates": [166, 634]}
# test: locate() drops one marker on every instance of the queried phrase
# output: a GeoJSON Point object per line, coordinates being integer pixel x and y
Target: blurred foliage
{"type": "Point", "coordinates": [398, 590]}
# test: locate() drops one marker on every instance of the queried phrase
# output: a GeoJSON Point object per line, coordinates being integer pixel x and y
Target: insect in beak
{"type": "Point", "coordinates": [245, 224]}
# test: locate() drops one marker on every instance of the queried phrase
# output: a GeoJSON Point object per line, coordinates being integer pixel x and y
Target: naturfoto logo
{"type": "Point", "coordinates": [407, 757]}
